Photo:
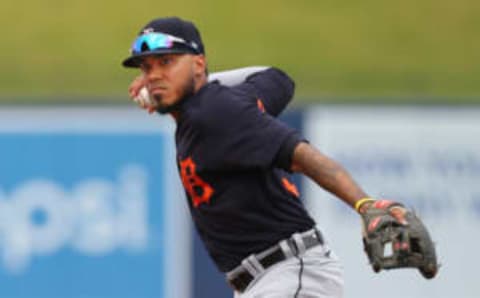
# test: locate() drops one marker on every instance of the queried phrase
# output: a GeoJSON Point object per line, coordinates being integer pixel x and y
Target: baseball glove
{"type": "Point", "coordinates": [392, 243]}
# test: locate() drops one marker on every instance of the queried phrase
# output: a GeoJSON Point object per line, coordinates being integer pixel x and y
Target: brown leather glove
{"type": "Point", "coordinates": [394, 237]}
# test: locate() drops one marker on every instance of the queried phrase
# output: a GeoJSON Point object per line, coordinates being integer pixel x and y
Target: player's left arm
{"type": "Point", "coordinates": [333, 177]}
{"type": "Point", "coordinates": [326, 172]}
{"type": "Point", "coordinates": [384, 221]}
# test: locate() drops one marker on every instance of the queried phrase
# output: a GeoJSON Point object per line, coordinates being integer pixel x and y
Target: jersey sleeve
{"type": "Point", "coordinates": [237, 135]}
{"type": "Point", "coordinates": [272, 87]}
{"type": "Point", "coordinates": [235, 76]}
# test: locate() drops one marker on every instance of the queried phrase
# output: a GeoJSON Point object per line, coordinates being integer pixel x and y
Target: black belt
{"type": "Point", "coordinates": [243, 278]}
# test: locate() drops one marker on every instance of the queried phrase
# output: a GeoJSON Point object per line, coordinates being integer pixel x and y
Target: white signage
{"type": "Point", "coordinates": [427, 158]}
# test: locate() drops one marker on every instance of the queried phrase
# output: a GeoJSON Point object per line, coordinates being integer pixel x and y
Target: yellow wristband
{"type": "Point", "coordinates": [360, 202]}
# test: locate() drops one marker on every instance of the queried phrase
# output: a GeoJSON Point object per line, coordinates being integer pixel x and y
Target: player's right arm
{"type": "Point", "coordinates": [272, 88]}
{"type": "Point", "coordinates": [234, 77]}
{"type": "Point", "coordinates": [269, 86]}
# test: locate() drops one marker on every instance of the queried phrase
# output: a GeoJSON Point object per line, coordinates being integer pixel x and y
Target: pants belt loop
{"type": "Point", "coordinates": [249, 267]}
{"type": "Point", "coordinates": [252, 259]}
{"type": "Point", "coordinates": [319, 236]}
{"type": "Point", "coordinates": [297, 239]}
{"type": "Point", "coordinates": [287, 251]}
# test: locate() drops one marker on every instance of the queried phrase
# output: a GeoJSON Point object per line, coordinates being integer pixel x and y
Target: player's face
{"type": "Point", "coordinates": [171, 77]}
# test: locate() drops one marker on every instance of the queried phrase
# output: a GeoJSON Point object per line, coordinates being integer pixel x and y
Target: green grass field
{"type": "Point", "coordinates": [336, 50]}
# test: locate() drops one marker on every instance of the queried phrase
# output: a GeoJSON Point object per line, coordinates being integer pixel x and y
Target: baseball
{"type": "Point", "coordinates": [143, 98]}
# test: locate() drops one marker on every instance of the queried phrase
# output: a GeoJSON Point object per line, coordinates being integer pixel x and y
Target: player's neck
{"type": "Point", "coordinates": [200, 82]}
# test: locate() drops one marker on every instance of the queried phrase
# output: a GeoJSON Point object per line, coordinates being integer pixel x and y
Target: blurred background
{"type": "Point", "coordinates": [90, 202]}
{"type": "Point", "coordinates": [63, 51]}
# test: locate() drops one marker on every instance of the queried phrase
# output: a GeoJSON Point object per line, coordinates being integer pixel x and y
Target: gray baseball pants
{"type": "Point", "coordinates": [317, 273]}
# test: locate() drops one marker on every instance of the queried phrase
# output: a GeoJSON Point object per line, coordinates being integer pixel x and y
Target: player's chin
{"type": "Point", "coordinates": [165, 109]}
{"type": "Point", "coordinates": [164, 105]}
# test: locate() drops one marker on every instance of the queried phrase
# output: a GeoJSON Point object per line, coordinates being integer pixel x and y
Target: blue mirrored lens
{"type": "Point", "coordinates": [151, 41]}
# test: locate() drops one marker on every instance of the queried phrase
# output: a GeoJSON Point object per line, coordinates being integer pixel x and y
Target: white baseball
{"type": "Point", "coordinates": [143, 98]}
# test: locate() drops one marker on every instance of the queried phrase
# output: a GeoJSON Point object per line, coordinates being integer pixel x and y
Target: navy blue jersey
{"type": "Point", "coordinates": [232, 155]}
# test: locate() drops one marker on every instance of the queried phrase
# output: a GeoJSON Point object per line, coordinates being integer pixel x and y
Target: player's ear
{"type": "Point", "coordinates": [199, 64]}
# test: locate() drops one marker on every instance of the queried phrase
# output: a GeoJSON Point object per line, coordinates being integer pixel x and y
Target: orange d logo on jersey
{"type": "Point", "coordinates": [198, 190]}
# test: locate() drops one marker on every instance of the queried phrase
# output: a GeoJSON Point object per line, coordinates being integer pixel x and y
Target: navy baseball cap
{"type": "Point", "coordinates": [165, 36]}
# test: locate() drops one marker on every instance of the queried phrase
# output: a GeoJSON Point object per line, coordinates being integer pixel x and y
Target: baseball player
{"type": "Point", "coordinates": [234, 159]}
